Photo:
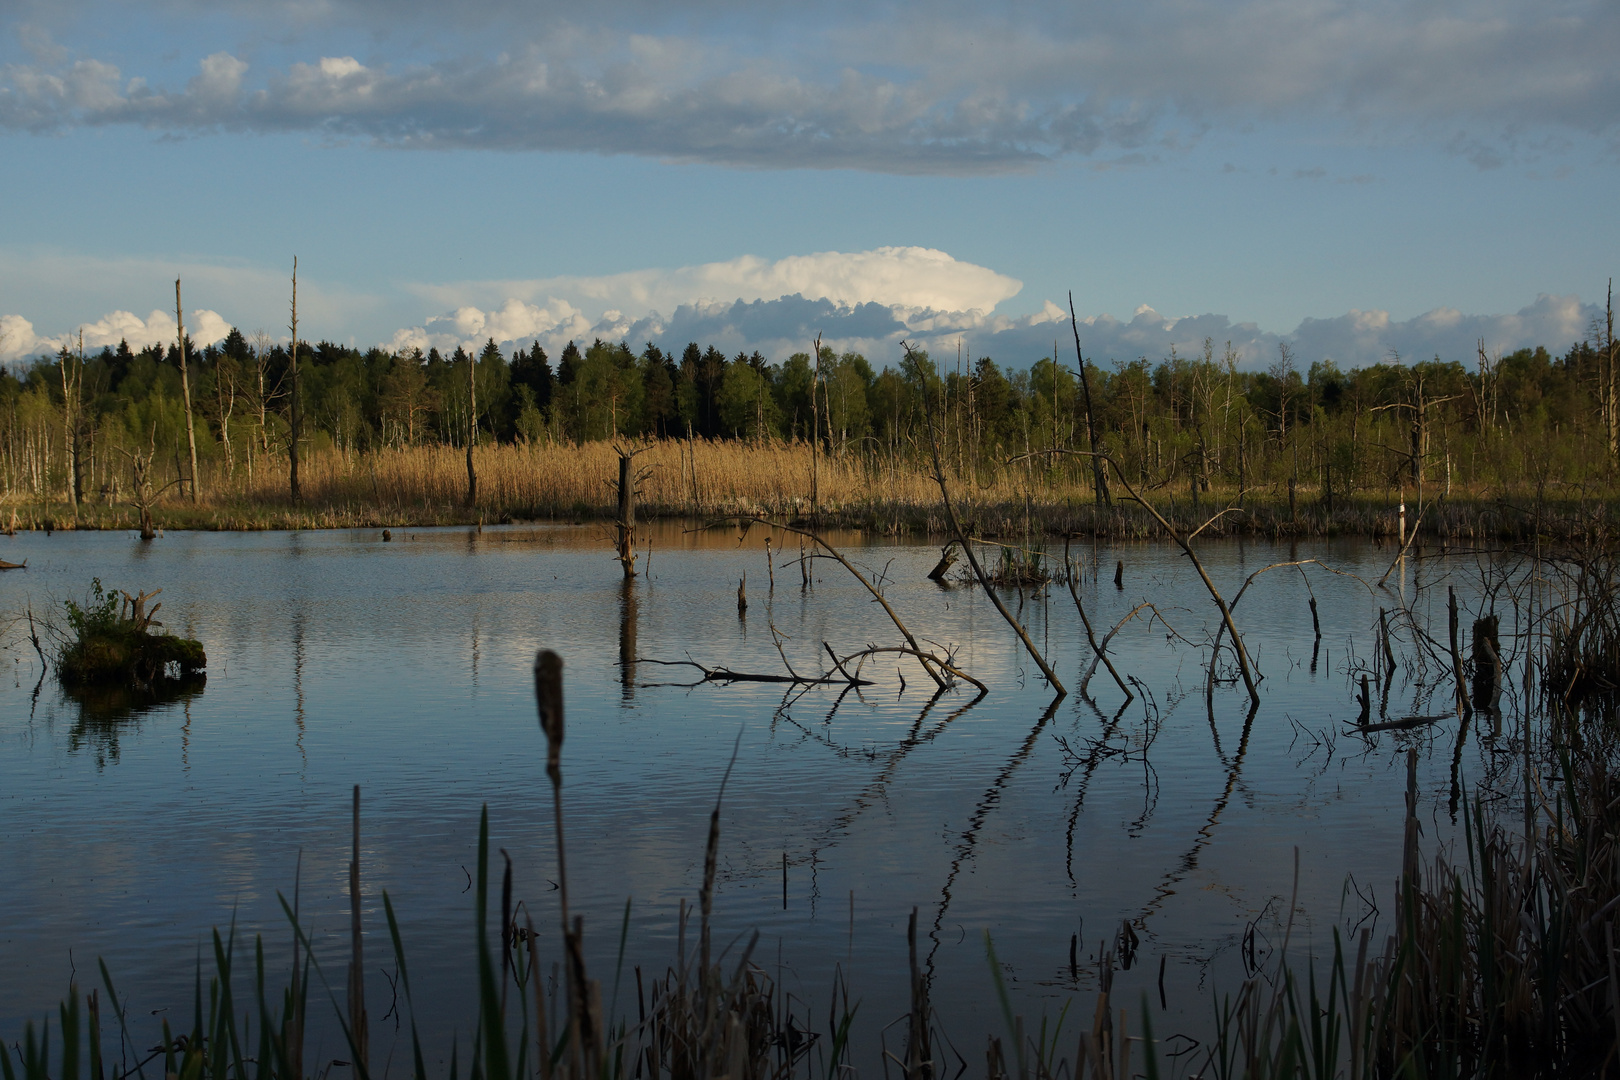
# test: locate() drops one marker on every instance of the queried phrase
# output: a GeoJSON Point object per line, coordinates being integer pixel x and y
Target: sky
{"type": "Point", "coordinates": [1353, 179]}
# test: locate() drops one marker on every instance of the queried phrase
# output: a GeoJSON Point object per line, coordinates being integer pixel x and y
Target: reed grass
{"type": "Point", "coordinates": [700, 479]}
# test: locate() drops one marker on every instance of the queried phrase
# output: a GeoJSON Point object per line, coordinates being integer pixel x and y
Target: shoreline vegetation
{"type": "Point", "coordinates": [255, 434]}
{"type": "Point", "coordinates": [698, 481]}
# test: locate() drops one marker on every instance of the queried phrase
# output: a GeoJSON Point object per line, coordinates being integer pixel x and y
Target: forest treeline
{"type": "Point", "coordinates": [81, 426]}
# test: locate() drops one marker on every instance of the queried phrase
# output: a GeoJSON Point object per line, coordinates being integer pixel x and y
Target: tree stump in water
{"type": "Point", "coordinates": [1487, 664]}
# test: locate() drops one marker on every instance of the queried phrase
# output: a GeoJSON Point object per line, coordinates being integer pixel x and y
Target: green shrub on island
{"type": "Point", "coordinates": [112, 642]}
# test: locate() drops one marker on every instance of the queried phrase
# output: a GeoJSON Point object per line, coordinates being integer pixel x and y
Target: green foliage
{"type": "Point", "coordinates": [98, 616]}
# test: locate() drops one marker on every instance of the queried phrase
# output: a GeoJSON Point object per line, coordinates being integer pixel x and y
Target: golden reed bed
{"type": "Point", "coordinates": [428, 486]}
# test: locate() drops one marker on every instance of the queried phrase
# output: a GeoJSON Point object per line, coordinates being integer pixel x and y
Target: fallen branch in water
{"type": "Point", "coordinates": [725, 674]}
{"type": "Point", "coordinates": [1403, 722]}
{"type": "Point", "coordinates": [944, 665]}
{"type": "Point", "coordinates": [876, 595]}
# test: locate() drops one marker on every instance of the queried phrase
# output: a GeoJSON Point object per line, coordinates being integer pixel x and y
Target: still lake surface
{"type": "Point", "coordinates": [336, 659]}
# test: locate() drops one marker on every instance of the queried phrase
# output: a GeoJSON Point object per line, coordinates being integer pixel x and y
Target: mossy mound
{"type": "Point", "coordinates": [114, 644]}
{"type": "Point", "coordinates": [129, 656]}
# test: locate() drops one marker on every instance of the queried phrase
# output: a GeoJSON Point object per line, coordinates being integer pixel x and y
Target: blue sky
{"type": "Point", "coordinates": [1354, 178]}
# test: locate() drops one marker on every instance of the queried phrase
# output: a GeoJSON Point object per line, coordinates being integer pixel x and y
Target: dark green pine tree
{"type": "Point", "coordinates": [532, 368]}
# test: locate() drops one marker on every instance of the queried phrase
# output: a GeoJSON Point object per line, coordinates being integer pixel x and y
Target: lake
{"type": "Point", "coordinates": [336, 659]}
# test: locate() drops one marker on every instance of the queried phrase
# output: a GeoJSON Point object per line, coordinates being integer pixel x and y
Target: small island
{"type": "Point", "coordinates": [113, 643]}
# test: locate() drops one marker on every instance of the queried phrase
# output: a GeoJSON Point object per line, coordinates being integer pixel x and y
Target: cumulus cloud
{"type": "Point", "coordinates": [872, 87]}
{"type": "Point", "coordinates": [17, 337]}
{"type": "Point", "coordinates": [203, 327]}
{"type": "Point", "coordinates": [514, 320]}
{"type": "Point", "coordinates": [912, 278]}
{"type": "Point", "coordinates": [787, 324]}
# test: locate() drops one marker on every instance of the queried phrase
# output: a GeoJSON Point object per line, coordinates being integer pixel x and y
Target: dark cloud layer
{"type": "Point", "coordinates": [868, 87]}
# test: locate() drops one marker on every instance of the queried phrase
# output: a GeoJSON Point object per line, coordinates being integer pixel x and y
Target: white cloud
{"type": "Point", "coordinates": [914, 278]}
{"type": "Point", "coordinates": [514, 320]}
{"type": "Point", "coordinates": [17, 337]}
{"type": "Point", "coordinates": [203, 327]}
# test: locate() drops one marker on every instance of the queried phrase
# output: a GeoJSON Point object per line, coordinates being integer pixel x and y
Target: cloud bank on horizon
{"type": "Point", "coordinates": [837, 85]}
{"type": "Point", "coordinates": [866, 302]}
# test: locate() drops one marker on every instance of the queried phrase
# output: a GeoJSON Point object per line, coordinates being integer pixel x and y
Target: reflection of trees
{"type": "Point", "coordinates": [106, 713]}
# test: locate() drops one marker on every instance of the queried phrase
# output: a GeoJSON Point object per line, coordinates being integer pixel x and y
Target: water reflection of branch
{"type": "Point", "coordinates": [876, 788]}
{"type": "Point", "coordinates": [1206, 832]}
{"type": "Point", "coordinates": [981, 812]}
{"type": "Point", "coordinates": [1089, 762]}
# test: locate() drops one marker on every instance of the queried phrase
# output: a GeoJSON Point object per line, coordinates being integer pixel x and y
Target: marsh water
{"type": "Point", "coordinates": [131, 829]}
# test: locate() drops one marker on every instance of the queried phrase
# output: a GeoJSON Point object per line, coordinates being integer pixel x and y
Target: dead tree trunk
{"type": "Point", "coordinates": [292, 442]}
{"type": "Point", "coordinates": [1613, 389]}
{"type": "Point", "coordinates": [1099, 476]}
{"type": "Point", "coordinates": [472, 428]}
{"type": "Point", "coordinates": [629, 485]}
{"type": "Point", "coordinates": [72, 423]}
{"type": "Point", "coordinates": [815, 439]}
{"type": "Point", "coordinates": [185, 388]}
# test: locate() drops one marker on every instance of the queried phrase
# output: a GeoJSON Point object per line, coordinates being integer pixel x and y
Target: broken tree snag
{"type": "Point", "coordinates": [1185, 544]}
{"type": "Point", "coordinates": [1487, 664]}
{"type": "Point", "coordinates": [742, 595]}
{"type": "Point", "coordinates": [1298, 564]}
{"type": "Point", "coordinates": [1456, 654]}
{"type": "Point", "coordinates": [628, 486]}
{"type": "Point", "coordinates": [1383, 638]}
{"type": "Point", "coordinates": [947, 559]}
{"type": "Point", "coordinates": [967, 547]}
{"type": "Point", "coordinates": [1119, 575]}
{"type": "Point", "coordinates": [1098, 651]}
